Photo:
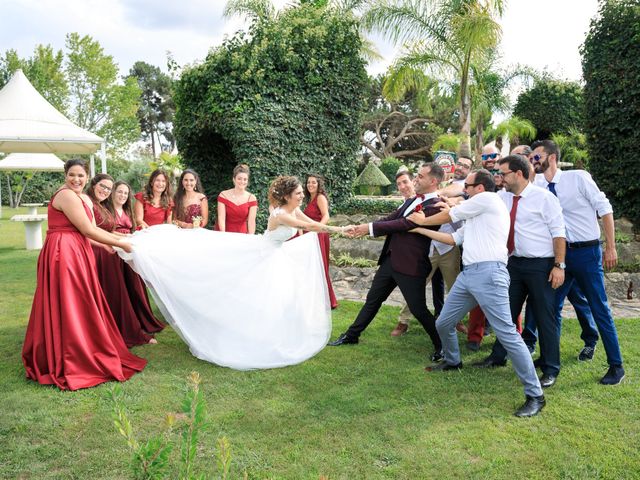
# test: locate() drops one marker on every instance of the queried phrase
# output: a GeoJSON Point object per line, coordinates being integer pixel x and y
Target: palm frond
{"type": "Point", "coordinates": [252, 9]}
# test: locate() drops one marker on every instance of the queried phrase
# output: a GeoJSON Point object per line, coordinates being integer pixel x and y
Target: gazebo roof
{"type": "Point", "coordinates": [21, 162]}
{"type": "Point", "coordinates": [30, 124]}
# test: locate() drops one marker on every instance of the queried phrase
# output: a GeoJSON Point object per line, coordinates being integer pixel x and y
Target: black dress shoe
{"type": "Point", "coordinates": [547, 381]}
{"type": "Point", "coordinates": [342, 340]}
{"type": "Point", "coordinates": [443, 367]}
{"type": "Point", "coordinates": [489, 363]}
{"type": "Point", "coordinates": [531, 407]}
{"type": "Point", "coordinates": [537, 363]}
{"type": "Point", "coordinates": [437, 356]}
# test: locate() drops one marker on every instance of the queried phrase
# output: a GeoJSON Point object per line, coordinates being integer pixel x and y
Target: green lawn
{"type": "Point", "coordinates": [355, 412]}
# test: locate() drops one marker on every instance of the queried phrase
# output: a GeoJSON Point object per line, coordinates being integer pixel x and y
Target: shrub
{"type": "Point", "coordinates": [611, 69]}
{"type": "Point", "coordinates": [364, 206]}
{"type": "Point", "coordinates": [285, 99]}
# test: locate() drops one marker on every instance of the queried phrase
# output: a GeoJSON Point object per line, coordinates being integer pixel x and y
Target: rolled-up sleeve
{"type": "Point", "coordinates": [552, 214]}
{"type": "Point", "coordinates": [468, 209]}
{"type": "Point", "coordinates": [596, 197]}
{"type": "Point", "coordinates": [458, 235]}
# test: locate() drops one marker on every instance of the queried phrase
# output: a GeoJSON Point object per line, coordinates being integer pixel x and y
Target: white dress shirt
{"type": "Point", "coordinates": [580, 199]}
{"type": "Point", "coordinates": [416, 201]}
{"type": "Point", "coordinates": [443, 248]}
{"type": "Point", "coordinates": [486, 228]}
{"type": "Point", "coordinates": [538, 221]}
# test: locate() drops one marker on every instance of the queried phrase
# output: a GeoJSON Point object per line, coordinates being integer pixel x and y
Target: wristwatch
{"type": "Point", "coordinates": [560, 265]}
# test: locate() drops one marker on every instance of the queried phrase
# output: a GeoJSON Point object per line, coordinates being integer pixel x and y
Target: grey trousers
{"type": "Point", "coordinates": [486, 284]}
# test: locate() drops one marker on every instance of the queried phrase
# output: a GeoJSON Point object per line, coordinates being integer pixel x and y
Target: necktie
{"type": "Point", "coordinates": [511, 243]}
{"type": "Point", "coordinates": [552, 188]}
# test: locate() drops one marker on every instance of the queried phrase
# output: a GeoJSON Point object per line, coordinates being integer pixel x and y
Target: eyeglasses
{"type": "Point", "coordinates": [536, 158]}
{"type": "Point", "coordinates": [489, 156]}
{"type": "Point", "coordinates": [459, 164]}
{"type": "Point", "coordinates": [104, 187]}
{"type": "Point", "coordinates": [467, 185]}
{"type": "Point", "coordinates": [503, 174]}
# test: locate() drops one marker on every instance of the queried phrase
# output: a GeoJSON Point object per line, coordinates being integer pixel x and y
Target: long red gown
{"type": "Point", "coordinates": [153, 215]}
{"type": "Point", "coordinates": [313, 212]}
{"type": "Point", "coordinates": [136, 287]}
{"type": "Point", "coordinates": [111, 273]}
{"type": "Point", "coordinates": [72, 340]}
{"type": "Point", "coordinates": [236, 215]}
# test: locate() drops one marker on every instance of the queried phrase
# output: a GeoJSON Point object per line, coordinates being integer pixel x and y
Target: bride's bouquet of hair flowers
{"type": "Point", "coordinates": [197, 221]}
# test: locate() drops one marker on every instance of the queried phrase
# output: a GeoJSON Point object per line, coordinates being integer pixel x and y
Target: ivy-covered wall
{"type": "Point", "coordinates": [284, 98]}
{"type": "Point", "coordinates": [611, 70]}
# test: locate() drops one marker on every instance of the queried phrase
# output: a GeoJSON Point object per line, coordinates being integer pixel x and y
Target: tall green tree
{"type": "Point", "coordinates": [444, 38]}
{"type": "Point", "coordinates": [611, 69]}
{"type": "Point", "coordinates": [156, 109]}
{"type": "Point", "coordinates": [45, 71]}
{"type": "Point", "coordinates": [99, 103]}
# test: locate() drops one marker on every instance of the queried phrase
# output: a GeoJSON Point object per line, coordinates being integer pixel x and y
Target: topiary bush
{"type": "Point", "coordinates": [284, 98]}
{"type": "Point", "coordinates": [611, 70]}
{"type": "Point", "coordinates": [552, 106]}
{"type": "Point", "coordinates": [365, 206]}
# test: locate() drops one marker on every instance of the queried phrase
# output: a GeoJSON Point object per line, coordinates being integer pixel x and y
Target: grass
{"type": "Point", "coordinates": [367, 411]}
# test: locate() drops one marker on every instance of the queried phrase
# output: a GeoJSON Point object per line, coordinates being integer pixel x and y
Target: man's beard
{"type": "Point", "coordinates": [459, 175]}
{"type": "Point", "coordinates": [541, 167]}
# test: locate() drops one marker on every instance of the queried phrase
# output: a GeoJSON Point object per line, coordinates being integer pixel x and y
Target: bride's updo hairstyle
{"type": "Point", "coordinates": [280, 188]}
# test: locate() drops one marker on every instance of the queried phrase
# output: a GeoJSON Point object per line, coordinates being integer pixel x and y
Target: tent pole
{"type": "Point", "coordinates": [92, 166]}
{"type": "Point", "coordinates": [103, 157]}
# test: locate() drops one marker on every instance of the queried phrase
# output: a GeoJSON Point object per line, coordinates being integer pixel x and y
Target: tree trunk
{"type": "Point", "coordinates": [479, 141]}
{"type": "Point", "coordinates": [11, 202]}
{"type": "Point", "coordinates": [465, 124]}
{"type": "Point", "coordinates": [153, 143]}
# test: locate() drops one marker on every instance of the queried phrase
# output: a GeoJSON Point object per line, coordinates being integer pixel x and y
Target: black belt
{"type": "Point", "coordinates": [589, 243]}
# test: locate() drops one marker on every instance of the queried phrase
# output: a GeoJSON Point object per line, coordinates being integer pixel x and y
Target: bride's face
{"type": "Point", "coordinates": [296, 197]}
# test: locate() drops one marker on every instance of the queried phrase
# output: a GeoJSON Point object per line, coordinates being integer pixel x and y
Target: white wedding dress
{"type": "Point", "coordinates": [240, 301]}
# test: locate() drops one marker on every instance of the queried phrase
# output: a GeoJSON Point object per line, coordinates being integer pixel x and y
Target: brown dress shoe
{"type": "Point", "coordinates": [400, 329]}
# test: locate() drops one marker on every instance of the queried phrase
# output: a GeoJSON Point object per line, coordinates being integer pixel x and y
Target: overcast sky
{"type": "Point", "coordinates": [540, 33]}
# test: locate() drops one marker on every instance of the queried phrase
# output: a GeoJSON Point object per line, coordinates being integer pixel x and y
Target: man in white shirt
{"type": "Point", "coordinates": [536, 246]}
{"type": "Point", "coordinates": [582, 202]}
{"type": "Point", "coordinates": [483, 281]}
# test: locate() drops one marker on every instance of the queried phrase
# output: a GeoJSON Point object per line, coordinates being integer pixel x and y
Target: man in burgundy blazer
{"type": "Point", "coordinates": [404, 261]}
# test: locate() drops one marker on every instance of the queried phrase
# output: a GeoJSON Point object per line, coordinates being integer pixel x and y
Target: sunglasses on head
{"type": "Point", "coordinates": [489, 156]}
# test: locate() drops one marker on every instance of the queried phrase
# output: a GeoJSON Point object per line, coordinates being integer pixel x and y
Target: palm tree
{"type": "Point", "coordinates": [444, 38]}
{"type": "Point", "coordinates": [516, 129]}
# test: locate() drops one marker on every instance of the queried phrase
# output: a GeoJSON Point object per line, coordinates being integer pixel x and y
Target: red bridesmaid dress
{"type": "Point", "coordinates": [313, 212]}
{"type": "Point", "coordinates": [153, 215]}
{"type": "Point", "coordinates": [135, 286]}
{"type": "Point", "coordinates": [236, 215]}
{"type": "Point", "coordinates": [72, 340]}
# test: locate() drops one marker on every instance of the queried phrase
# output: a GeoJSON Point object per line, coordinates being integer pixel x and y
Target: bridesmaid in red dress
{"type": "Point", "coordinates": [237, 208]}
{"type": "Point", "coordinates": [190, 204]}
{"type": "Point", "coordinates": [72, 340]}
{"type": "Point", "coordinates": [153, 206]}
{"type": "Point", "coordinates": [110, 267]}
{"type": "Point", "coordinates": [318, 209]}
{"type": "Point", "coordinates": [119, 205]}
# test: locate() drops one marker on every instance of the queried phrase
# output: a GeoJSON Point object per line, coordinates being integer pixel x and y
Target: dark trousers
{"type": "Point", "coordinates": [437, 290]}
{"type": "Point", "coordinates": [589, 334]}
{"type": "Point", "coordinates": [530, 282]}
{"type": "Point", "coordinates": [413, 291]}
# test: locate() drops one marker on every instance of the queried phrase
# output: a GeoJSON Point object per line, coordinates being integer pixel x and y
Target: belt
{"type": "Point", "coordinates": [589, 243]}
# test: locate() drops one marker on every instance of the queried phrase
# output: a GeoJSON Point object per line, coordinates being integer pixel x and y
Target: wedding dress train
{"type": "Point", "coordinates": [240, 301]}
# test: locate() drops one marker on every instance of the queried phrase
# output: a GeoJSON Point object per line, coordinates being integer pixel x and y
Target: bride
{"type": "Point", "coordinates": [242, 301]}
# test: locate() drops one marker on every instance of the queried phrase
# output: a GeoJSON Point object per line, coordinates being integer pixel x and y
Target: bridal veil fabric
{"type": "Point", "coordinates": [240, 301]}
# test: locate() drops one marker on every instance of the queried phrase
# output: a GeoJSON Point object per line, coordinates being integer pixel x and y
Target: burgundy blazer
{"type": "Point", "coordinates": [409, 252]}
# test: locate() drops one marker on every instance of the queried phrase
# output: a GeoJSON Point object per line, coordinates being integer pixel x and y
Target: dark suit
{"type": "Point", "coordinates": [404, 262]}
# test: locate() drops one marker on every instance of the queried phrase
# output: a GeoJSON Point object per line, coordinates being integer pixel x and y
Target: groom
{"type": "Point", "coordinates": [404, 261]}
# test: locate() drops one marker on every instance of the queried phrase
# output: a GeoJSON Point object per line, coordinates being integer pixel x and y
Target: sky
{"type": "Point", "coordinates": [544, 34]}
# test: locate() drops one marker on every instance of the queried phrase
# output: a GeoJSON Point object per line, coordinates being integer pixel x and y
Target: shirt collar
{"type": "Point", "coordinates": [556, 177]}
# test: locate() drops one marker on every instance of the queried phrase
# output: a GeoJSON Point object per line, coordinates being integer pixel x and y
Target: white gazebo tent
{"type": "Point", "coordinates": [30, 162]}
{"type": "Point", "coordinates": [30, 124]}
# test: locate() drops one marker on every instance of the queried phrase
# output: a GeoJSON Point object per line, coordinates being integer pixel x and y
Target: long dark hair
{"type": "Point", "coordinates": [127, 207]}
{"type": "Point", "coordinates": [165, 197]}
{"type": "Point", "coordinates": [321, 190]}
{"type": "Point", "coordinates": [91, 192]}
{"type": "Point", "coordinates": [178, 199]}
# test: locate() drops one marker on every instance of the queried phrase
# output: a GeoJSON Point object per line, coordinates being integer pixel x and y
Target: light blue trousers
{"type": "Point", "coordinates": [486, 284]}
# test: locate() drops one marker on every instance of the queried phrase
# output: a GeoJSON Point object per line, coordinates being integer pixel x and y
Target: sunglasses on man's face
{"type": "Point", "coordinates": [489, 156]}
{"type": "Point", "coordinates": [536, 158]}
{"type": "Point", "coordinates": [467, 185]}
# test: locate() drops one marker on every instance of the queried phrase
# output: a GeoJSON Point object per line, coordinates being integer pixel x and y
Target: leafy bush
{"type": "Point", "coordinates": [371, 180]}
{"type": "Point", "coordinates": [552, 106]}
{"type": "Point", "coordinates": [611, 69]}
{"type": "Point", "coordinates": [346, 260]}
{"type": "Point", "coordinates": [364, 206]}
{"type": "Point", "coordinates": [284, 99]}
{"type": "Point", "coordinates": [390, 167]}
{"type": "Point", "coordinates": [40, 187]}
